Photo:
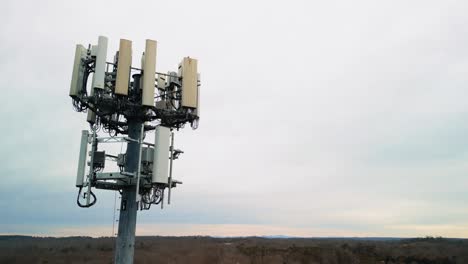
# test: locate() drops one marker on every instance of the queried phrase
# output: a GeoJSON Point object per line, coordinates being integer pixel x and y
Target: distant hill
{"type": "Point", "coordinates": [253, 250]}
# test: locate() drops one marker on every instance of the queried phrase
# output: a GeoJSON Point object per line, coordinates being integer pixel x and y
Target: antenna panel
{"type": "Point", "coordinates": [188, 72]}
{"type": "Point", "coordinates": [147, 154]}
{"type": "Point", "coordinates": [172, 78]}
{"type": "Point", "coordinates": [82, 158]}
{"type": "Point", "coordinates": [78, 71]}
{"type": "Point", "coordinates": [100, 66]}
{"type": "Point", "coordinates": [149, 71]}
{"type": "Point", "coordinates": [172, 87]}
{"type": "Point", "coordinates": [161, 155]}
{"type": "Point", "coordinates": [123, 67]}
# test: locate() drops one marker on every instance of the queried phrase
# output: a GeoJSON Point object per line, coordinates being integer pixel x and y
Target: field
{"type": "Point", "coordinates": [250, 250]}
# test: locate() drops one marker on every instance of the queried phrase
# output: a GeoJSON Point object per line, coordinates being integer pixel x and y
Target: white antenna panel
{"type": "Point", "coordinates": [161, 155]}
{"type": "Point", "coordinates": [149, 71]}
{"type": "Point", "coordinates": [123, 68]}
{"type": "Point", "coordinates": [78, 70]}
{"type": "Point", "coordinates": [100, 66]}
{"type": "Point", "coordinates": [188, 72]}
{"type": "Point", "coordinates": [172, 77]}
{"type": "Point", "coordinates": [82, 158]}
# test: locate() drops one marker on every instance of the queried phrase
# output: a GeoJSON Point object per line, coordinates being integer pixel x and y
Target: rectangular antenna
{"type": "Point", "coordinates": [149, 71]}
{"type": "Point", "coordinates": [82, 158]}
{"type": "Point", "coordinates": [100, 66]}
{"type": "Point", "coordinates": [78, 71]}
{"type": "Point", "coordinates": [172, 78]}
{"type": "Point", "coordinates": [123, 68]}
{"type": "Point", "coordinates": [188, 72]}
{"type": "Point", "coordinates": [161, 155]}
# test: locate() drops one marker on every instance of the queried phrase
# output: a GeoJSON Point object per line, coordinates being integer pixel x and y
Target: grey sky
{"type": "Point", "coordinates": [317, 117]}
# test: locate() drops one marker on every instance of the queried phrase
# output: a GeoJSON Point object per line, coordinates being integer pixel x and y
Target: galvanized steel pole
{"type": "Point", "coordinates": [125, 243]}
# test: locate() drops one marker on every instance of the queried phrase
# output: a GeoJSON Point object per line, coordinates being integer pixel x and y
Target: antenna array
{"type": "Point", "coordinates": [126, 102]}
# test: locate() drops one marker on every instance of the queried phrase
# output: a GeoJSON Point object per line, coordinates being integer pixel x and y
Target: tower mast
{"type": "Point", "coordinates": [130, 101]}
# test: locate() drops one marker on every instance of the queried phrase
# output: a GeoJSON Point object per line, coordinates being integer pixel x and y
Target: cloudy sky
{"type": "Point", "coordinates": [318, 118]}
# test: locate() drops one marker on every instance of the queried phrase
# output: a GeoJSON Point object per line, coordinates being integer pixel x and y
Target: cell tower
{"type": "Point", "coordinates": [129, 101]}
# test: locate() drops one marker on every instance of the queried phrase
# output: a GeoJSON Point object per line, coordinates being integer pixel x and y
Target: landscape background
{"type": "Point", "coordinates": [240, 250]}
{"type": "Point", "coordinates": [318, 118]}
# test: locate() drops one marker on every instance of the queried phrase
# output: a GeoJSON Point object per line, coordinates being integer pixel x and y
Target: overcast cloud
{"type": "Point", "coordinates": [318, 118]}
